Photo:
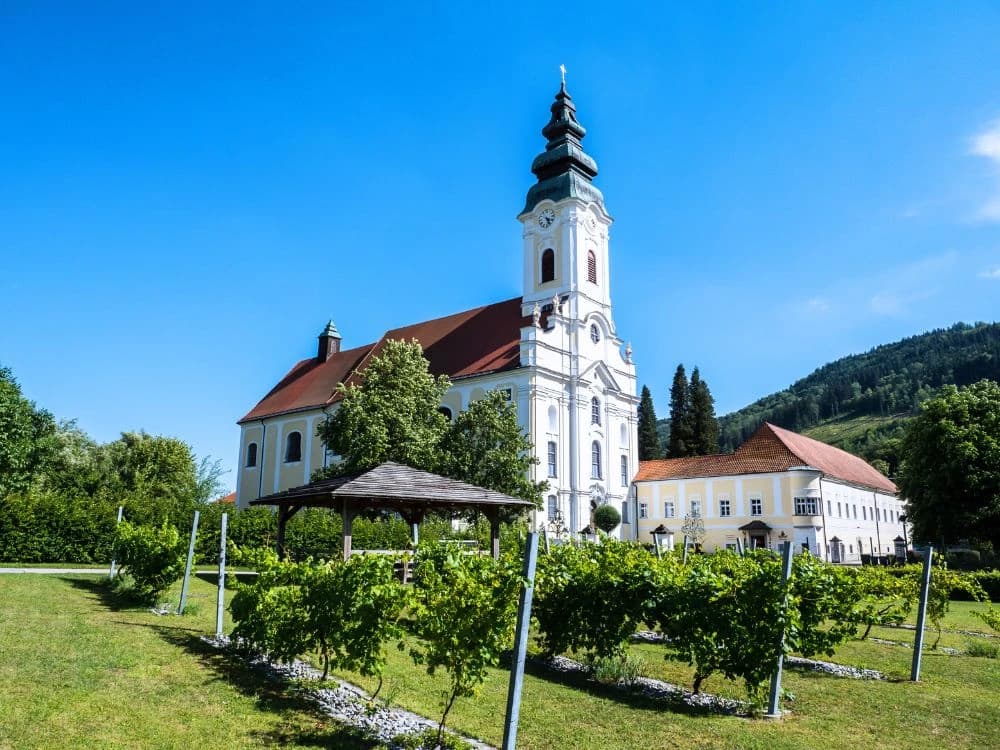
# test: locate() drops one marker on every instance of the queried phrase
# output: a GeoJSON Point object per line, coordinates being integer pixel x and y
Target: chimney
{"type": "Point", "coordinates": [329, 342]}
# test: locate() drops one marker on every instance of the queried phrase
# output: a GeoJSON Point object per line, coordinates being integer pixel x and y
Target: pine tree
{"type": "Point", "coordinates": [680, 416]}
{"type": "Point", "coordinates": [704, 425]}
{"type": "Point", "coordinates": [649, 440]}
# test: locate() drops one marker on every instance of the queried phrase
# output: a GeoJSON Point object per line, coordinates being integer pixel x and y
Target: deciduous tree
{"type": "Point", "coordinates": [391, 415]}
{"type": "Point", "coordinates": [485, 446]}
{"type": "Point", "coordinates": [951, 465]}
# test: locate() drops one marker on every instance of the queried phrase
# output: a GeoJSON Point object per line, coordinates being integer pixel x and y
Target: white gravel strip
{"type": "Point", "coordinates": [941, 649]}
{"type": "Point", "coordinates": [348, 703]}
{"type": "Point", "coordinates": [794, 662]}
{"type": "Point", "coordinates": [655, 688]}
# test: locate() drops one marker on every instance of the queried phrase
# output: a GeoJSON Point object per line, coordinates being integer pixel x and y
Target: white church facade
{"type": "Point", "coordinates": [554, 350]}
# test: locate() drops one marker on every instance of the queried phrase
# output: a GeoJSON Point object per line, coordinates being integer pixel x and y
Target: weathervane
{"type": "Point", "coordinates": [562, 70]}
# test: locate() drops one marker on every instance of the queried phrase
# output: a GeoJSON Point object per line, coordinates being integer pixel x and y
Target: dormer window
{"type": "Point", "coordinates": [591, 267]}
{"type": "Point", "coordinates": [548, 265]}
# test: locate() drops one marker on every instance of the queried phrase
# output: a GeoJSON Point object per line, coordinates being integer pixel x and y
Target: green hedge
{"type": "Point", "coordinates": [45, 527]}
{"type": "Point", "coordinates": [50, 528]}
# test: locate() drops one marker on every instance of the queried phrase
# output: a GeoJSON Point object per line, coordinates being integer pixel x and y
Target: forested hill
{"type": "Point", "coordinates": [861, 402]}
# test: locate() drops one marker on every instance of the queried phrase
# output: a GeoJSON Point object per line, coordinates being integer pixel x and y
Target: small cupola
{"type": "Point", "coordinates": [329, 342]}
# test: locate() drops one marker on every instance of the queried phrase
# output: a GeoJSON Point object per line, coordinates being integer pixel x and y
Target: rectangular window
{"type": "Point", "coordinates": [864, 513]}
{"type": "Point", "coordinates": [696, 506]}
{"type": "Point", "coordinates": [553, 507]}
{"type": "Point", "coordinates": [756, 505]}
{"type": "Point", "coordinates": [624, 471]}
{"type": "Point", "coordinates": [552, 458]}
{"type": "Point", "coordinates": [829, 508]}
{"type": "Point", "coordinates": [643, 510]}
{"type": "Point", "coordinates": [731, 546]}
{"type": "Point", "coordinates": [805, 506]}
{"type": "Point", "coordinates": [724, 507]}
{"type": "Point", "coordinates": [668, 509]}
{"type": "Point", "coordinates": [855, 512]}
{"type": "Point", "coordinates": [839, 513]}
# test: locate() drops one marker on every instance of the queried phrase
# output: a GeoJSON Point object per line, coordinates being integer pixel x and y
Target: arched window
{"type": "Point", "coordinates": [595, 410]}
{"type": "Point", "coordinates": [595, 333]}
{"type": "Point", "coordinates": [553, 419]}
{"type": "Point", "coordinates": [548, 265]}
{"type": "Point", "coordinates": [595, 460]}
{"type": "Point", "coordinates": [591, 267]}
{"type": "Point", "coordinates": [293, 447]}
{"type": "Point", "coordinates": [446, 412]}
{"type": "Point", "coordinates": [251, 455]}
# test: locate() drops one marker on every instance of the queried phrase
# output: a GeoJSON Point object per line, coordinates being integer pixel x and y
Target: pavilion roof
{"type": "Point", "coordinates": [393, 486]}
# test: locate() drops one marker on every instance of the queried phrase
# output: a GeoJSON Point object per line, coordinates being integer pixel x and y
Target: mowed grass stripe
{"type": "Point", "coordinates": [80, 672]}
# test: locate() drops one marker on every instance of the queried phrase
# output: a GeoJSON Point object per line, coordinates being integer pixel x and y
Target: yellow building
{"type": "Point", "coordinates": [778, 486]}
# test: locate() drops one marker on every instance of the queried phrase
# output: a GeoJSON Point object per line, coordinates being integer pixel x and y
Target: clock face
{"type": "Point", "coordinates": [546, 218]}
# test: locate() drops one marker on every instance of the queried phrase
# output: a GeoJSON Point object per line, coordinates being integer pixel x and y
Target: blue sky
{"type": "Point", "coordinates": [189, 191]}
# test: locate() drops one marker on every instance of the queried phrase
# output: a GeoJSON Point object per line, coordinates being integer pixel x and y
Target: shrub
{"type": "Point", "coordinates": [991, 617]}
{"type": "Point", "coordinates": [620, 669]}
{"type": "Point", "coordinates": [463, 614]}
{"type": "Point", "coordinates": [982, 648]}
{"type": "Point", "coordinates": [153, 557]}
{"type": "Point", "coordinates": [592, 598]}
{"type": "Point", "coordinates": [607, 518]}
{"type": "Point", "coordinates": [344, 610]}
{"type": "Point", "coordinates": [723, 613]}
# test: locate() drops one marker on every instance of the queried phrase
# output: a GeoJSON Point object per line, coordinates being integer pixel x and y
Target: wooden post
{"type": "Point", "coordinates": [282, 522]}
{"type": "Point", "coordinates": [111, 572]}
{"type": "Point", "coordinates": [348, 525]}
{"type": "Point", "coordinates": [918, 643]}
{"type": "Point", "coordinates": [685, 558]}
{"type": "Point", "coordinates": [494, 516]}
{"type": "Point", "coordinates": [739, 547]}
{"type": "Point", "coordinates": [187, 568]}
{"type": "Point", "coordinates": [774, 699]}
{"type": "Point", "coordinates": [520, 643]}
{"type": "Point", "coordinates": [221, 600]}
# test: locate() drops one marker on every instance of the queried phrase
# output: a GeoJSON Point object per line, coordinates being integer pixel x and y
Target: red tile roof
{"type": "Point", "coordinates": [770, 449]}
{"type": "Point", "coordinates": [475, 342]}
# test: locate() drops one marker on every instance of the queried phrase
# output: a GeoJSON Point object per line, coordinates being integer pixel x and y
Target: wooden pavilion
{"type": "Point", "coordinates": [393, 487]}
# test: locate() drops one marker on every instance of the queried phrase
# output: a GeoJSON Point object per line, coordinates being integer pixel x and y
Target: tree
{"type": "Point", "coordinates": [155, 477]}
{"type": "Point", "coordinates": [693, 528]}
{"type": "Point", "coordinates": [680, 424]}
{"type": "Point", "coordinates": [607, 518]}
{"type": "Point", "coordinates": [950, 473]}
{"type": "Point", "coordinates": [392, 415]}
{"type": "Point", "coordinates": [25, 433]}
{"type": "Point", "coordinates": [649, 440]}
{"type": "Point", "coordinates": [485, 446]}
{"type": "Point", "coordinates": [703, 424]}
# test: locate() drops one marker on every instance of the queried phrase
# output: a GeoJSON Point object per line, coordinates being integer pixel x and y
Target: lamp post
{"type": "Point", "coordinates": [906, 541]}
{"type": "Point", "coordinates": [660, 534]}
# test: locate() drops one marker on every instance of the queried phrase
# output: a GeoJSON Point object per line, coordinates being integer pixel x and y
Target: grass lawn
{"type": "Point", "coordinates": [78, 671]}
{"type": "Point", "coordinates": [81, 670]}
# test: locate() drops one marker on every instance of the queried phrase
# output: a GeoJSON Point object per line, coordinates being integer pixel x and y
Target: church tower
{"type": "Point", "coordinates": [565, 222]}
{"type": "Point", "coordinates": [583, 384]}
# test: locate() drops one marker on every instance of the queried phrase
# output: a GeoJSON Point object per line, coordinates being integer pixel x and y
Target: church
{"type": "Point", "coordinates": [554, 351]}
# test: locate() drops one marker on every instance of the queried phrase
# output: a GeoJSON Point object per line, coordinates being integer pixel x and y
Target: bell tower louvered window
{"type": "Point", "coordinates": [591, 267]}
{"type": "Point", "coordinates": [548, 265]}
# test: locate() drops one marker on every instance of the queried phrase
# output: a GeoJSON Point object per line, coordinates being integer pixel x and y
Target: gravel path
{"type": "Point", "coordinates": [654, 688]}
{"type": "Point", "coordinates": [348, 703]}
